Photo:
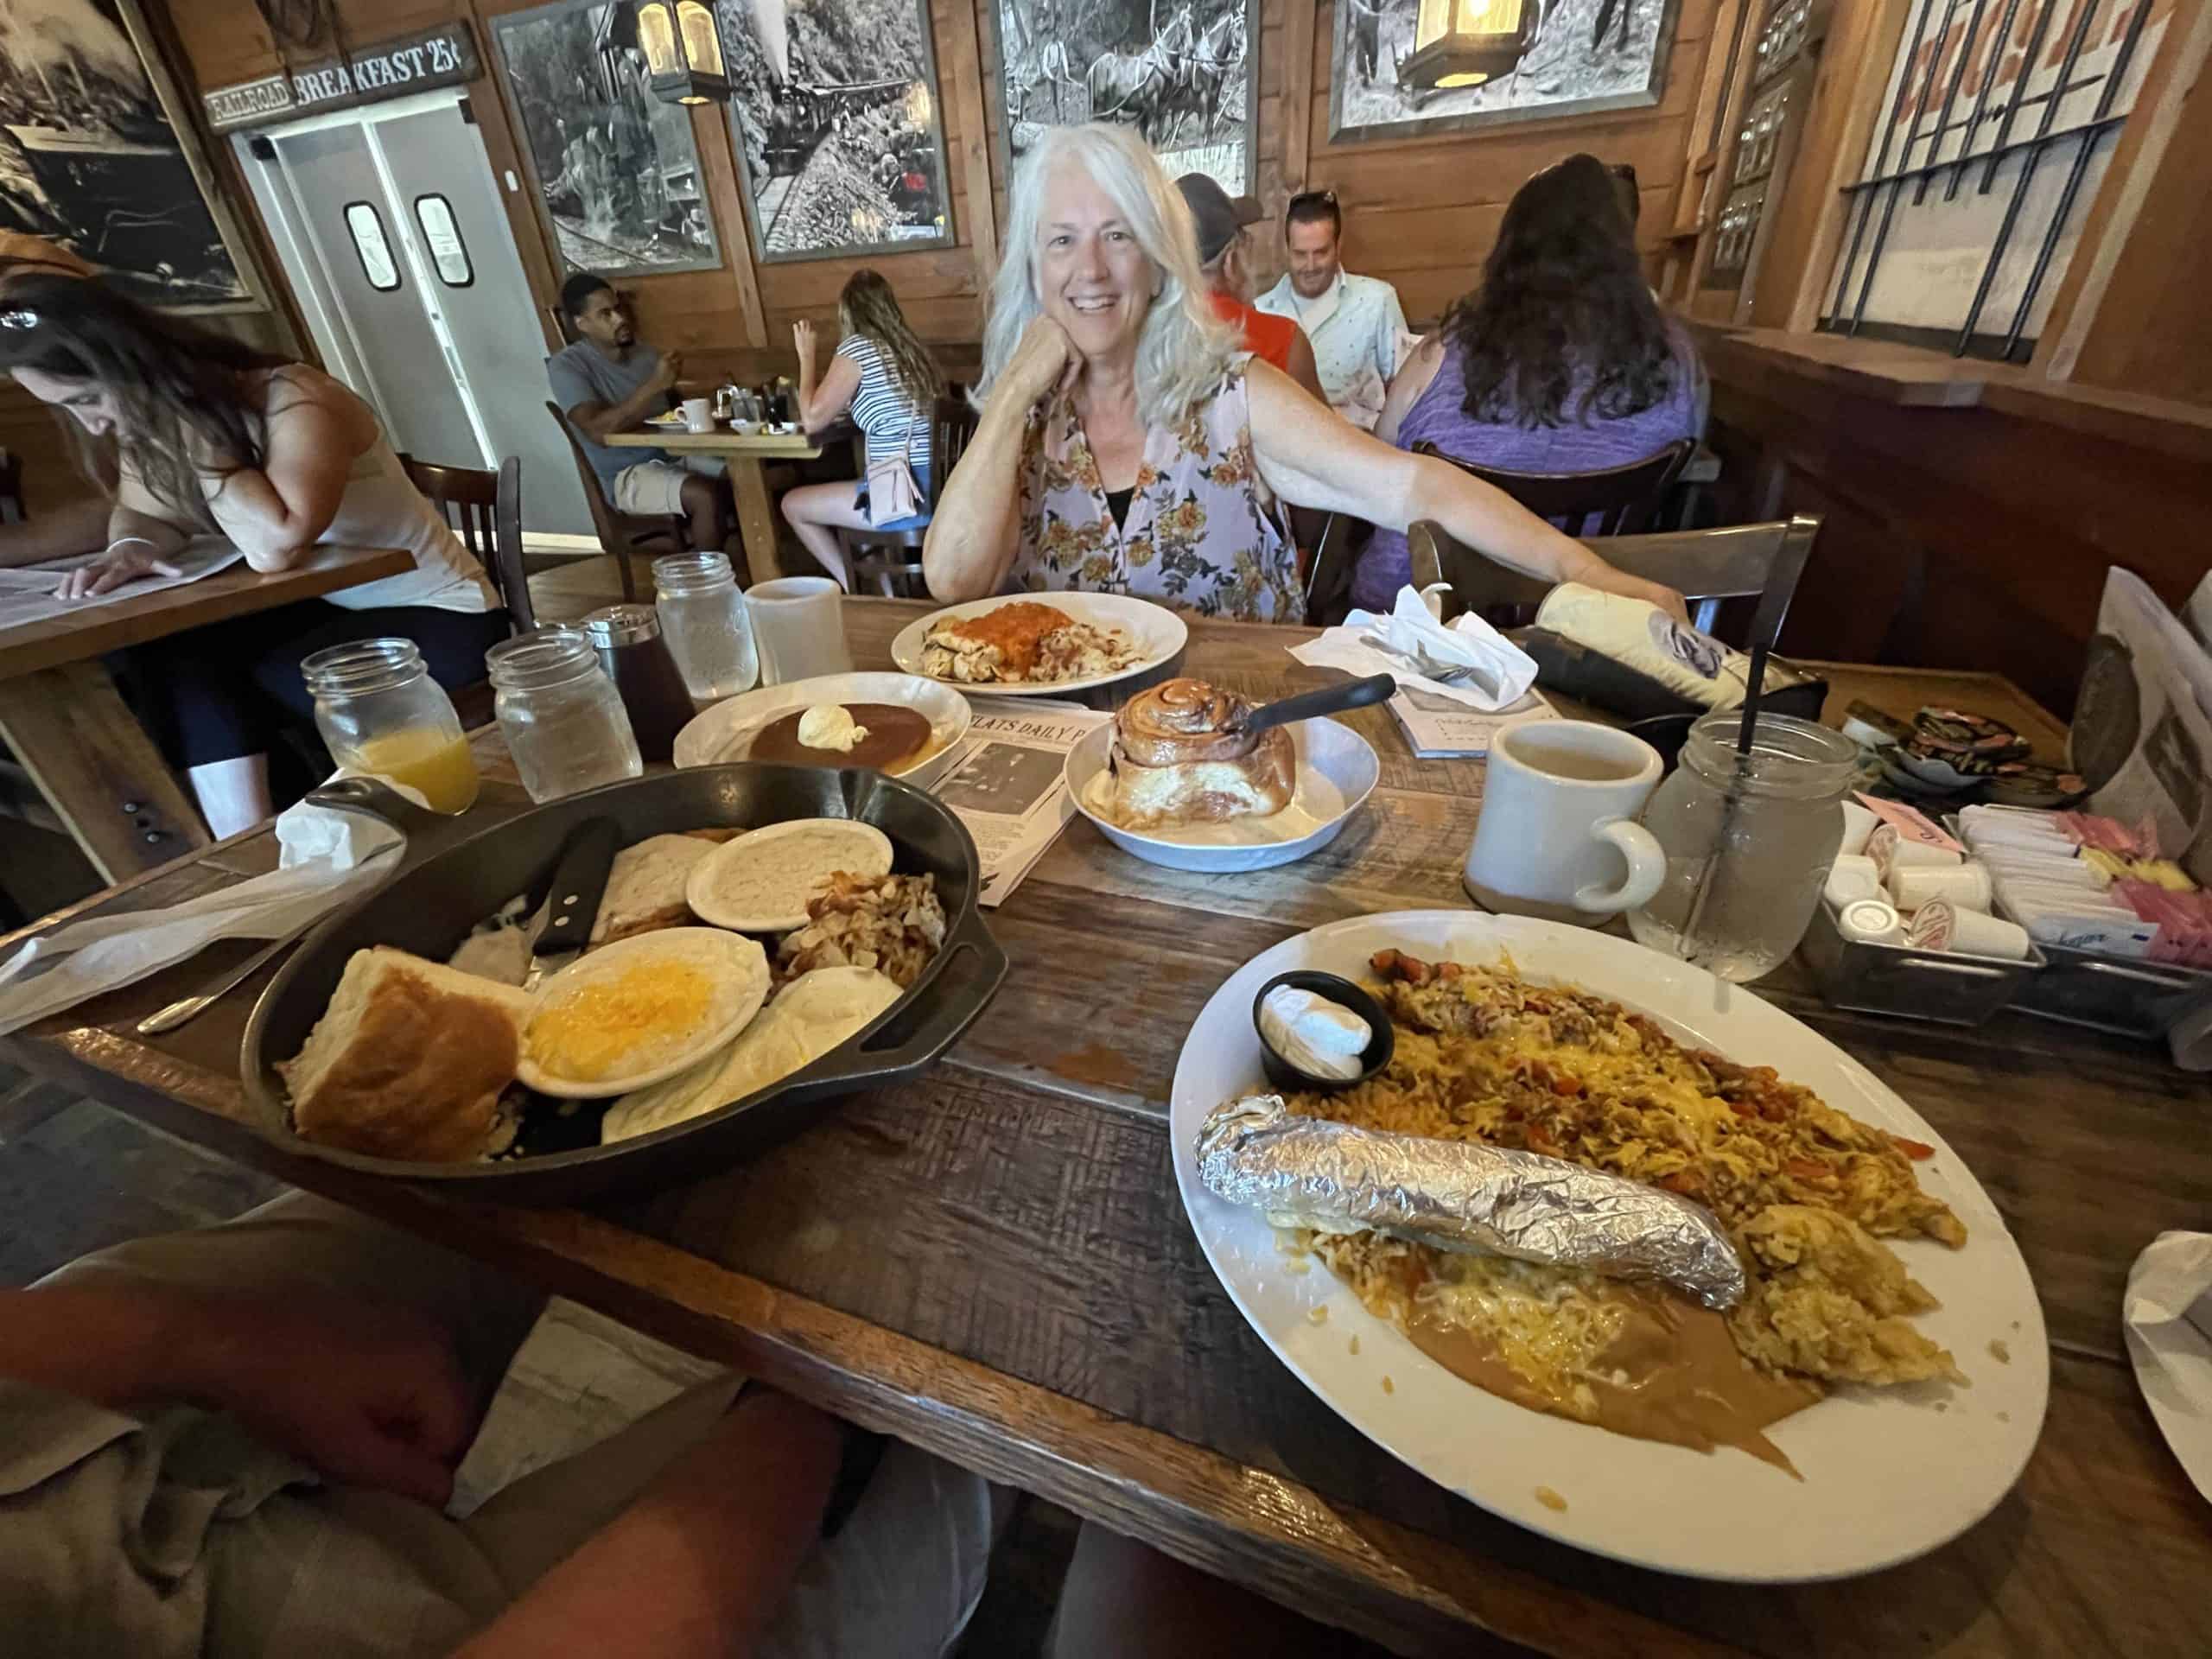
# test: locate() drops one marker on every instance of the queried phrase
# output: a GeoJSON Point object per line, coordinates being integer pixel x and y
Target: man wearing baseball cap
{"type": "Point", "coordinates": [1219, 219]}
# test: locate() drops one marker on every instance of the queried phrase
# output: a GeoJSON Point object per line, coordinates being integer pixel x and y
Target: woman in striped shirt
{"type": "Point", "coordinates": [882, 373]}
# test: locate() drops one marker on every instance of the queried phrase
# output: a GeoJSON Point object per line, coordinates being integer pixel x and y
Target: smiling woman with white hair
{"type": "Point", "coordinates": [1127, 446]}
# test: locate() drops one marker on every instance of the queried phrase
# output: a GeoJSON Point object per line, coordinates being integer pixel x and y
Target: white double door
{"type": "Point", "coordinates": [388, 224]}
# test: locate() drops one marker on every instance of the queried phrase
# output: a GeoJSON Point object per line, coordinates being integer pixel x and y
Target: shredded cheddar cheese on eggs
{"type": "Point", "coordinates": [622, 1023]}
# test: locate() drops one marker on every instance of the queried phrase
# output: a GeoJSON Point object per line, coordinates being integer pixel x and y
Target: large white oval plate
{"type": "Point", "coordinates": [1337, 772]}
{"type": "Point", "coordinates": [1158, 632]}
{"type": "Point", "coordinates": [1887, 1474]}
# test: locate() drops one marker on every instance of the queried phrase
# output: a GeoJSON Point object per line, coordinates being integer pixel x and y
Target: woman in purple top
{"type": "Point", "coordinates": [1560, 362]}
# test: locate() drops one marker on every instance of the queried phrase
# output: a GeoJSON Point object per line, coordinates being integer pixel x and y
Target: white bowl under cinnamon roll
{"type": "Point", "coordinates": [1181, 755]}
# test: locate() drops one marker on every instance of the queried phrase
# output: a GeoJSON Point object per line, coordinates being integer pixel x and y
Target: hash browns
{"type": "Point", "coordinates": [1805, 1192]}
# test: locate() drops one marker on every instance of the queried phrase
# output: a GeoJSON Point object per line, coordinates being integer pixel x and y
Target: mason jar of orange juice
{"type": "Point", "coordinates": [379, 711]}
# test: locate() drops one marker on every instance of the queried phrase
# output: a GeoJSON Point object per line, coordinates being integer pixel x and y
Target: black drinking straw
{"type": "Point", "coordinates": [1753, 691]}
{"type": "Point", "coordinates": [1754, 688]}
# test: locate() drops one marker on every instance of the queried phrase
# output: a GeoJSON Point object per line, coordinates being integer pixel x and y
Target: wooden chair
{"type": "Point", "coordinates": [1622, 500]}
{"type": "Point", "coordinates": [11, 489]}
{"type": "Point", "coordinates": [624, 535]}
{"type": "Point", "coordinates": [1328, 584]}
{"type": "Point", "coordinates": [889, 562]}
{"type": "Point", "coordinates": [1705, 566]}
{"type": "Point", "coordinates": [485, 509]}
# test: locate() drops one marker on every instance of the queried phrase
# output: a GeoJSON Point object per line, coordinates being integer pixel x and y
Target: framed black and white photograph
{"type": "Point", "coordinates": [96, 154]}
{"type": "Point", "coordinates": [1181, 71]}
{"type": "Point", "coordinates": [615, 166]}
{"type": "Point", "coordinates": [834, 109]}
{"type": "Point", "coordinates": [1400, 68]}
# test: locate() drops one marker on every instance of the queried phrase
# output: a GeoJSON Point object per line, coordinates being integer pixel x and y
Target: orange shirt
{"type": "Point", "coordinates": [1266, 337]}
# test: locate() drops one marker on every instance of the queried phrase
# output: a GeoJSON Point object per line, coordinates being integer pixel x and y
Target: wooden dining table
{"type": "Point", "coordinates": [744, 452]}
{"type": "Point", "coordinates": [993, 1262]}
{"type": "Point", "coordinates": [69, 728]}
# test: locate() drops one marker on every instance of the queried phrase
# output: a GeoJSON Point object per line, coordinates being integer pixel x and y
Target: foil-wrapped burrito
{"type": "Point", "coordinates": [1457, 1195]}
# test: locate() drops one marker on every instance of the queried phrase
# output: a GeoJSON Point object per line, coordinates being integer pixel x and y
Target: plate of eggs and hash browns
{"type": "Point", "coordinates": [1875, 1391]}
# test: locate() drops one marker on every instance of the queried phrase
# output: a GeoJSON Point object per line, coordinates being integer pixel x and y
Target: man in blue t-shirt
{"type": "Point", "coordinates": [607, 383]}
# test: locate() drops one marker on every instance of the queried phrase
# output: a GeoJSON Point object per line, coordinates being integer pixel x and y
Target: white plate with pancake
{"type": "Point", "coordinates": [1157, 633]}
{"type": "Point", "coordinates": [722, 735]}
{"type": "Point", "coordinates": [1889, 1473]}
{"type": "Point", "coordinates": [1337, 772]}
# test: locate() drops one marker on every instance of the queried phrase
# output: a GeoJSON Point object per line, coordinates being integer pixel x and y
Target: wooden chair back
{"type": "Point", "coordinates": [1328, 584]}
{"type": "Point", "coordinates": [485, 509]}
{"type": "Point", "coordinates": [1616, 501]}
{"type": "Point", "coordinates": [624, 535]}
{"type": "Point", "coordinates": [889, 562]}
{"type": "Point", "coordinates": [1705, 566]}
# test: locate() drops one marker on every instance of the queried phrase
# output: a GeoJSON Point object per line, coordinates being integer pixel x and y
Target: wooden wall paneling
{"type": "Point", "coordinates": [223, 41]}
{"type": "Point", "coordinates": [2013, 520]}
{"type": "Point", "coordinates": [2130, 312]}
{"type": "Point", "coordinates": [1293, 48]}
{"type": "Point", "coordinates": [960, 68]}
{"type": "Point", "coordinates": [718, 168]}
{"type": "Point", "coordinates": [1797, 268]}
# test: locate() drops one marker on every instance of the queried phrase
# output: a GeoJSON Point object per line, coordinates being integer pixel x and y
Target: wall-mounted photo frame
{"type": "Point", "coordinates": [837, 124]}
{"type": "Point", "coordinates": [1414, 69]}
{"type": "Point", "coordinates": [1184, 73]}
{"type": "Point", "coordinates": [616, 170]}
{"type": "Point", "coordinates": [98, 154]}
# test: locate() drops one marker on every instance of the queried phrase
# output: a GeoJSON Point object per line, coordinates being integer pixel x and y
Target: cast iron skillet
{"type": "Point", "coordinates": [452, 877]}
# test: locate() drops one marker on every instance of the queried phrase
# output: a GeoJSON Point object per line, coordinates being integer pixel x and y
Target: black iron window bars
{"type": "Point", "coordinates": [1872, 201]}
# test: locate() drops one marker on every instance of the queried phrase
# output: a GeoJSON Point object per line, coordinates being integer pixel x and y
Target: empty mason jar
{"type": "Point", "coordinates": [1749, 839]}
{"type": "Point", "coordinates": [704, 621]}
{"type": "Point", "coordinates": [563, 718]}
{"type": "Point", "coordinates": [379, 711]}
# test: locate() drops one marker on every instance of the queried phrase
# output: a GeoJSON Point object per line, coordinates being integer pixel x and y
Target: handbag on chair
{"type": "Point", "coordinates": [893, 493]}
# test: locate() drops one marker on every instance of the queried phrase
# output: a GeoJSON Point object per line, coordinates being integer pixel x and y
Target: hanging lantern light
{"type": "Point", "coordinates": [683, 52]}
{"type": "Point", "coordinates": [1461, 44]}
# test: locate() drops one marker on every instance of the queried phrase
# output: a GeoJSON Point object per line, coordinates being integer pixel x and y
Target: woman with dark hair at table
{"type": "Point", "coordinates": [193, 434]}
{"type": "Point", "coordinates": [1560, 362]}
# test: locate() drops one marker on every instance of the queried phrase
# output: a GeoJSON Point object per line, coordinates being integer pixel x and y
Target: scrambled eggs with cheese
{"type": "Point", "coordinates": [1805, 1192]}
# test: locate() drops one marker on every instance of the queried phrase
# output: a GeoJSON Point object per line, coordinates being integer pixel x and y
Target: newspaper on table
{"type": "Point", "coordinates": [27, 591]}
{"type": "Point", "coordinates": [1438, 729]}
{"type": "Point", "coordinates": [1009, 784]}
{"type": "Point", "coordinates": [2142, 734]}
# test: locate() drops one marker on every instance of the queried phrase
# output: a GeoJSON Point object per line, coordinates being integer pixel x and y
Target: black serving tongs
{"type": "Point", "coordinates": [1329, 700]}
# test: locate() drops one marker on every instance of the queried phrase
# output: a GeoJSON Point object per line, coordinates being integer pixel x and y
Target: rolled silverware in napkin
{"type": "Point", "coordinates": [1457, 1195]}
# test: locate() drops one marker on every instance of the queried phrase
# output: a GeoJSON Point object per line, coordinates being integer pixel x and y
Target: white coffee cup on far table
{"type": "Point", "coordinates": [1557, 836]}
{"type": "Point", "coordinates": [799, 628]}
{"type": "Point", "coordinates": [698, 415]}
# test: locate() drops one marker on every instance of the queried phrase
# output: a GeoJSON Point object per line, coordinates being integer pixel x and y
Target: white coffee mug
{"type": "Point", "coordinates": [698, 415]}
{"type": "Point", "coordinates": [799, 628]}
{"type": "Point", "coordinates": [1557, 823]}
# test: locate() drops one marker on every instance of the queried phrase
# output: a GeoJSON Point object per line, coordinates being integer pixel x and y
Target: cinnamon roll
{"type": "Point", "coordinates": [1181, 755]}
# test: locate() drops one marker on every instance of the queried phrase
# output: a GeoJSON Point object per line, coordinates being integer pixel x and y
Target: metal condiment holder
{"type": "Point", "coordinates": [1950, 987]}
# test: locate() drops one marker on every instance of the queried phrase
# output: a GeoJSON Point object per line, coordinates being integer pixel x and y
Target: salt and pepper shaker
{"type": "Point", "coordinates": [635, 657]}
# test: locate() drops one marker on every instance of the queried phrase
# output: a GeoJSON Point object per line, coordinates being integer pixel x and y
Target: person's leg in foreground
{"type": "Point", "coordinates": [239, 1441]}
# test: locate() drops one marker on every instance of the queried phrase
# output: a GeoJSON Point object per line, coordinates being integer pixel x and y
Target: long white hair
{"type": "Point", "coordinates": [1183, 350]}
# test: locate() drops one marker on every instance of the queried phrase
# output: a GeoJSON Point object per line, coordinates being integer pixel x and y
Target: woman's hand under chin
{"type": "Point", "coordinates": [1044, 362]}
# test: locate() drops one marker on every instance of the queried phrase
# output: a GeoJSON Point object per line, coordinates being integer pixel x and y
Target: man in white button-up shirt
{"type": "Point", "coordinates": [1354, 323]}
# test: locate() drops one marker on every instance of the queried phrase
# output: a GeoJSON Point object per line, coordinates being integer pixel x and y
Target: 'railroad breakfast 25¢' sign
{"type": "Point", "coordinates": [445, 56]}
